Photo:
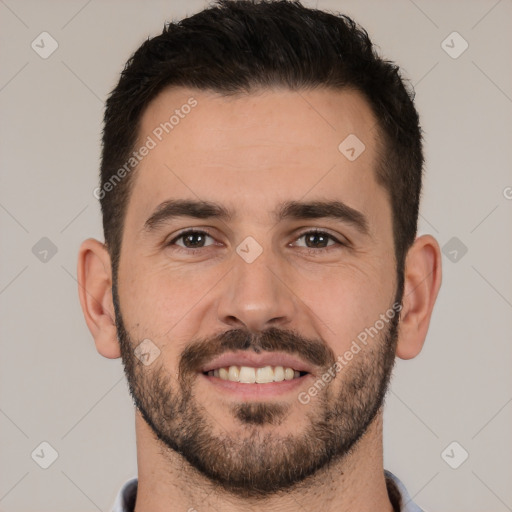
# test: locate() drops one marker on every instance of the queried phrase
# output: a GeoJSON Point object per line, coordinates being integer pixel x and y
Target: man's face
{"type": "Point", "coordinates": [258, 289]}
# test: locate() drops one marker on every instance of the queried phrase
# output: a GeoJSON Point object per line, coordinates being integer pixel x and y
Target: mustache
{"type": "Point", "coordinates": [314, 351]}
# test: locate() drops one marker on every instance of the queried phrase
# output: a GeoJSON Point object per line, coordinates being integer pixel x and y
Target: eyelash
{"type": "Point", "coordinates": [309, 250]}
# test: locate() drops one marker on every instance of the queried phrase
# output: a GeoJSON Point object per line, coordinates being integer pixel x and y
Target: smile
{"type": "Point", "coordinates": [254, 375]}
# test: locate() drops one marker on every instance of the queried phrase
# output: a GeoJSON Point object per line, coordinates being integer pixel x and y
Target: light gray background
{"type": "Point", "coordinates": [56, 388]}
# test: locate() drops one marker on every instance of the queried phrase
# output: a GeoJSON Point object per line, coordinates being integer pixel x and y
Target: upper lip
{"type": "Point", "coordinates": [257, 361]}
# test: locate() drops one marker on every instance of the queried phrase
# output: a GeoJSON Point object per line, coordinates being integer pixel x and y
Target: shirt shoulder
{"type": "Point", "coordinates": [397, 491]}
{"type": "Point", "coordinates": [125, 500]}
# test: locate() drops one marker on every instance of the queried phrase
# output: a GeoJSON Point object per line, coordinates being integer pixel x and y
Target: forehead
{"type": "Point", "coordinates": [299, 122]}
{"type": "Point", "coordinates": [253, 150]}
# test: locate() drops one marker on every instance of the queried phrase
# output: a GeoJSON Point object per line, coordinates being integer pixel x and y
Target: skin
{"type": "Point", "coordinates": [251, 153]}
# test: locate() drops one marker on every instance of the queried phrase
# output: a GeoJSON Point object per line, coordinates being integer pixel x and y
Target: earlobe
{"type": "Point", "coordinates": [95, 291]}
{"type": "Point", "coordinates": [422, 283]}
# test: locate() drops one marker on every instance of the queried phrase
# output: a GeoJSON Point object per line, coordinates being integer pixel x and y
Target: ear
{"type": "Point", "coordinates": [422, 283]}
{"type": "Point", "coordinates": [95, 291]}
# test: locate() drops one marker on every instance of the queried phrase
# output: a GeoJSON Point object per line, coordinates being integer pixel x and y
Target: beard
{"type": "Point", "coordinates": [253, 461]}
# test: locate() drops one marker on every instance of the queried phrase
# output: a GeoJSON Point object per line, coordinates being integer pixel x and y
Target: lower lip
{"type": "Point", "coordinates": [250, 391]}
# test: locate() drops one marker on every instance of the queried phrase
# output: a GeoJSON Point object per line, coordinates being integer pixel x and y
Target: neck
{"type": "Point", "coordinates": [167, 482]}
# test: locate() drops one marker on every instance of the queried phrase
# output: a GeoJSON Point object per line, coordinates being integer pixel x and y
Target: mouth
{"type": "Point", "coordinates": [248, 375]}
{"type": "Point", "coordinates": [255, 375]}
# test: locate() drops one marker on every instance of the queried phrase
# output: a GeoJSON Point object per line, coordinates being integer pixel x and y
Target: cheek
{"type": "Point", "coordinates": [347, 300]}
{"type": "Point", "coordinates": [158, 303]}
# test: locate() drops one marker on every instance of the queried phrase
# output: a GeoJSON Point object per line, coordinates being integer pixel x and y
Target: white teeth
{"type": "Point", "coordinates": [288, 374]}
{"type": "Point", "coordinates": [264, 375]}
{"type": "Point", "coordinates": [278, 373]}
{"type": "Point", "coordinates": [233, 373]}
{"type": "Point", "coordinates": [247, 375]}
{"type": "Point", "coordinates": [250, 375]}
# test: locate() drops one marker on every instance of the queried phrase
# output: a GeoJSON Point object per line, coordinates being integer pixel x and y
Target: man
{"type": "Point", "coordinates": [260, 182]}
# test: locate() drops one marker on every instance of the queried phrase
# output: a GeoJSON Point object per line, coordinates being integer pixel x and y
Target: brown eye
{"type": "Point", "coordinates": [191, 239]}
{"type": "Point", "coordinates": [318, 240]}
{"type": "Point", "coordinates": [315, 239]}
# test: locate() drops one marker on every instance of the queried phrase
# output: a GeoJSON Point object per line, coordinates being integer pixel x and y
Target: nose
{"type": "Point", "coordinates": [256, 295]}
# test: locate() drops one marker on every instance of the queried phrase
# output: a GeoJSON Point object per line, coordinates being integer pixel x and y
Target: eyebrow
{"type": "Point", "coordinates": [296, 210]}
